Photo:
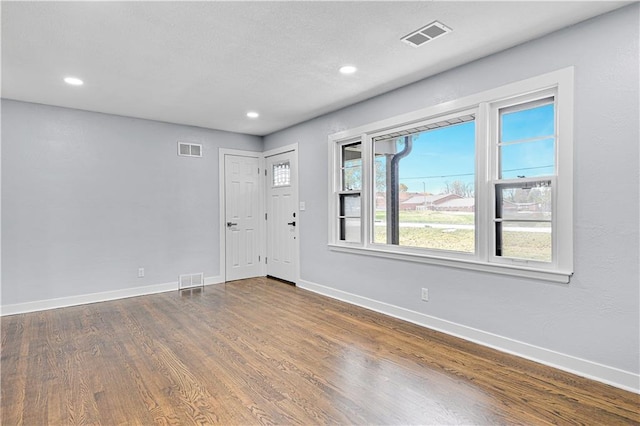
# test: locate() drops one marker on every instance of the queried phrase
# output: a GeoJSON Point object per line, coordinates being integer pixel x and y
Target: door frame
{"type": "Point", "coordinates": [222, 203]}
{"type": "Point", "coordinates": [293, 148]}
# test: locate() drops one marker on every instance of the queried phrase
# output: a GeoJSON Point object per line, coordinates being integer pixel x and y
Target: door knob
{"type": "Point", "coordinates": [230, 224]}
{"type": "Point", "coordinates": [292, 223]}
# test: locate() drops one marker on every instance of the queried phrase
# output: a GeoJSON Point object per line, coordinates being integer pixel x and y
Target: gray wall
{"type": "Point", "coordinates": [88, 198]}
{"type": "Point", "coordinates": [596, 316]}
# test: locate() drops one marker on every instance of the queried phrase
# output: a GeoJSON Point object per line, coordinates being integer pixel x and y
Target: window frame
{"type": "Point", "coordinates": [518, 103]}
{"type": "Point", "coordinates": [338, 178]}
{"type": "Point", "coordinates": [371, 171]}
{"type": "Point", "coordinates": [487, 106]}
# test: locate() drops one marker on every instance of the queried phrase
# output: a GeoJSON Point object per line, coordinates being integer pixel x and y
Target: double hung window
{"type": "Point", "coordinates": [484, 182]}
{"type": "Point", "coordinates": [525, 178]}
{"type": "Point", "coordinates": [350, 193]}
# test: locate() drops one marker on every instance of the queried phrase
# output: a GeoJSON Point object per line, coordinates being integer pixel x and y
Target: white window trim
{"type": "Point", "coordinates": [336, 174]}
{"type": "Point", "coordinates": [494, 181]}
{"type": "Point", "coordinates": [485, 102]}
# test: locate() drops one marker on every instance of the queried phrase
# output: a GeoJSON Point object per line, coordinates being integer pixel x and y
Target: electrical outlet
{"type": "Point", "coordinates": [140, 272]}
{"type": "Point", "coordinates": [425, 294]}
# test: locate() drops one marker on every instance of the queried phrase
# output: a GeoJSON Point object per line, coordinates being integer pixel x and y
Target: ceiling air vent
{"type": "Point", "coordinates": [189, 149]}
{"type": "Point", "coordinates": [425, 34]}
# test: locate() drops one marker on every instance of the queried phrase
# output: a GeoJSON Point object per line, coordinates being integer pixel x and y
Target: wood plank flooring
{"type": "Point", "coordinates": [262, 352]}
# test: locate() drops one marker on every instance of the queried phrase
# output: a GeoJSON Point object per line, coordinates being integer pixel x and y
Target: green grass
{"type": "Point", "coordinates": [527, 245]}
{"type": "Point", "coordinates": [458, 240]}
{"type": "Point", "coordinates": [521, 245]}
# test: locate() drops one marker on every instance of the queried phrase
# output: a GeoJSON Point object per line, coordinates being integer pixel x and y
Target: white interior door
{"type": "Point", "coordinates": [282, 216]}
{"type": "Point", "coordinates": [242, 217]}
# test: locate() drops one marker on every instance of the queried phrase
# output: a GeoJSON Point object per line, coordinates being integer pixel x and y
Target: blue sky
{"type": "Point", "coordinates": [440, 155]}
{"type": "Point", "coordinates": [448, 154]}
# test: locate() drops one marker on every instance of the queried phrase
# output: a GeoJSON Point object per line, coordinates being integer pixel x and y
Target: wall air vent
{"type": "Point", "coordinates": [425, 34]}
{"type": "Point", "coordinates": [189, 149]}
{"type": "Point", "coordinates": [190, 280]}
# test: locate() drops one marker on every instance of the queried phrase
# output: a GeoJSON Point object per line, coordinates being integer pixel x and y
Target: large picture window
{"type": "Point", "coordinates": [475, 183]}
{"type": "Point", "coordinates": [425, 186]}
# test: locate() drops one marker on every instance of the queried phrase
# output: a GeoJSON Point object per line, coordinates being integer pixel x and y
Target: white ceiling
{"type": "Point", "coordinates": [208, 63]}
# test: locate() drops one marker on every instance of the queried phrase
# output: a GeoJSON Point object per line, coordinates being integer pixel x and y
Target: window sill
{"type": "Point", "coordinates": [555, 276]}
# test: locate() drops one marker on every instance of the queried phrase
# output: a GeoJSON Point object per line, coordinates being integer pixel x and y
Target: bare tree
{"type": "Point", "coordinates": [381, 173]}
{"type": "Point", "coordinates": [464, 190]}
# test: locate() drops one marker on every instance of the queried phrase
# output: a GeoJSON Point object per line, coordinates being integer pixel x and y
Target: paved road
{"type": "Point", "coordinates": [546, 230]}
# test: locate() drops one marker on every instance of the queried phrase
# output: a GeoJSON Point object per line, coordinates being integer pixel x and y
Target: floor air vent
{"type": "Point", "coordinates": [425, 34]}
{"type": "Point", "coordinates": [190, 280]}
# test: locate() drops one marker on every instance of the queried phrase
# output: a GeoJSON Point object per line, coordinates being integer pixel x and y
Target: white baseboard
{"type": "Point", "coordinates": [591, 370]}
{"type": "Point", "coordinates": [83, 299]}
{"type": "Point", "coordinates": [214, 280]}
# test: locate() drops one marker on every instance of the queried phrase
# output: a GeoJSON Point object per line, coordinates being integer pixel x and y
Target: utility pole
{"type": "Point", "coordinates": [424, 194]}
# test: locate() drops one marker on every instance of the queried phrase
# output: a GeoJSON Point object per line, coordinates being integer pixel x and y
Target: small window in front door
{"type": "Point", "coordinates": [281, 174]}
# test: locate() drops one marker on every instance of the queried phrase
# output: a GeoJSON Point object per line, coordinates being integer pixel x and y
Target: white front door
{"type": "Point", "coordinates": [282, 215]}
{"type": "Point", "coordinates": [242, 217]}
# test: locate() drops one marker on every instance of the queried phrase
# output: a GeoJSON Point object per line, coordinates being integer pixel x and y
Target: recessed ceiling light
{"type": "Point", "coordinates": [73, 81]}
{"type": "Point", "coordinates": [348, 69]}
{"type": "Point", "coordinates": [253, 114]}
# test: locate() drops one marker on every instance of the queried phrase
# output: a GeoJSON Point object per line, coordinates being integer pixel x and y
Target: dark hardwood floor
{"type": "Point", "coordinates": [260, 351]}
